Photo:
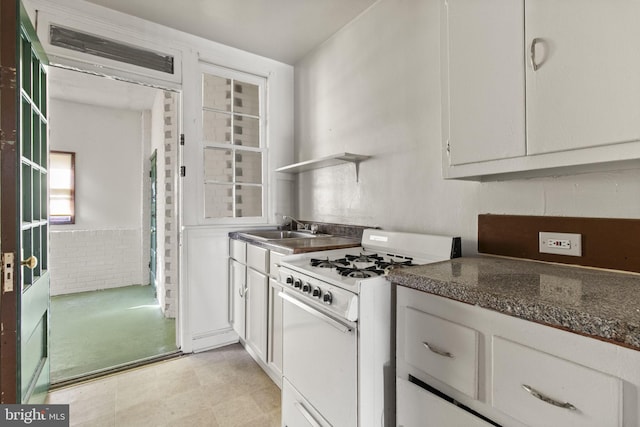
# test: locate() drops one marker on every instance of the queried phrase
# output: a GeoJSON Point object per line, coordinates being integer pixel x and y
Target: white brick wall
{"type": "Point", "coordinates": [169, 299]}
{"type": "Point", "coordinates": [88, 260]}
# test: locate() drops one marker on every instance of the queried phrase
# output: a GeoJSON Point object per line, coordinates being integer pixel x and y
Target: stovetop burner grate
{"type": "Point", "coordinates": [388, 265]}
{"type": "Point", "coordinates": [327, 263]}
{"type": "Point", "coordinates": [364, 258]}
{"type": "Point", "coordinates": [361, 273]}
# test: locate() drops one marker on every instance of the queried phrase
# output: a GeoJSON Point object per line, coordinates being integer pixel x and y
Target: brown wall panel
{"type": "Point", "coordinates": [611, 243]}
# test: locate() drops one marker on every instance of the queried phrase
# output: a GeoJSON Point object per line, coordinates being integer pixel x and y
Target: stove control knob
{"type": "Point", "coordinates": [317, 292]}
{"type": "Point", "coordinates": [289, 280]}
{"type": "Point", "coordinates": [297, 283]}
{"type": "Point", "coordinates": [327, 298]}
{"type": "Point", "coordinates": [306, 288]}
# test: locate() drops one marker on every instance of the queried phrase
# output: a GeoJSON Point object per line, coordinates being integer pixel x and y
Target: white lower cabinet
{"type": "Point", "coordinates": [542, 390]}
{"type": "Point", "coordinates": [420, 408]}
{"type": "Point", "coordinates": [256, 314]}
{"type": "Point", "coordinates": [237, 291]}
{"type": "Point", "coordinates": [274, 339]}
{"type": "Point", "coordinates": [255, 307]}
{"type": "Point", "coordinates": [508, 370]}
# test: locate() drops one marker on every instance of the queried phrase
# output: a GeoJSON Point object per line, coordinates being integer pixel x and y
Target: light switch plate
{"type": "Point", "coordinates": [560, 243]}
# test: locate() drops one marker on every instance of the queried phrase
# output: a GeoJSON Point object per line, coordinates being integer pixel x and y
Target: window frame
{"type": "Point", "coordinates": [72, 217]}
{"type": "Point", "coordinates": [263, 146]}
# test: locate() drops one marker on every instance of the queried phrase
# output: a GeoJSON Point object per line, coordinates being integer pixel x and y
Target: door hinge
{"type": "Point", "coordinates": [150, 174]}
{"type": "Point", "coordinates": [7, 271]}
{"type": "Point", "coordinates": [182, 139]}
{"type": "Point", "coordinates": [183, 171]}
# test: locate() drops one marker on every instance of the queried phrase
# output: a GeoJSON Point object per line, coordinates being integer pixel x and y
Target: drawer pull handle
{"type": "Point", "coordinates": [437, 350]}
{"type": "Point", "coordinates": [535, 393]}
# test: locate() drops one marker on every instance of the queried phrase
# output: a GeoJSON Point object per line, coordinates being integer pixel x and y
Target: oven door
{"type": "Point", "coordinates": [320, 354]}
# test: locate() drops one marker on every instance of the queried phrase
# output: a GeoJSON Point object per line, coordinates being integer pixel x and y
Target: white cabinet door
{"type": "Point", "coordinates": [586, 91]}
{"type": "Point", "coordinates": [484, 82]}
{"type": "Point", "coordinates": [256, 315]}
{"type": "Point", "coordinates": [238, 289]}
{"type": "Point", "coordinates": [274, 358]}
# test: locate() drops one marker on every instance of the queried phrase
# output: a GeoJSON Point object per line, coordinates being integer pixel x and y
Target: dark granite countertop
{"type": "Point", "coordinates": [597, 303]}
{"type": "Point", "coordinates": [300, 245]}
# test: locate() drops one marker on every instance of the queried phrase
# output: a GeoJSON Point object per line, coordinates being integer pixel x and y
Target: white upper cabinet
{"type": "Point", "coordinates": [586, 89]}
{"type": "Point", "coordinates": [539, 85]}
{"type": "Point", "coordinates": [485, 87]}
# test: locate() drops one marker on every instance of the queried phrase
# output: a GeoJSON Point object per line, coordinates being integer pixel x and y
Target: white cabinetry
{"type": "Point", "coordinates": [418, 407]}
{"type": "Point", "coordinates": [445, 350]}
{"type": "Point", "coordinates": [274, 339]}
{"type": "Point", "coordinates": [255, 305]}
{"type": "Point", "coordinates": [527, 374]}
{"type": "Point", "coordinates": [237, 285]}
{"type": "Point", "coordinates": [256, 315]}
{"type": "Point", "coordinates": [542, 390]}
{"type": "Point", "coordinates": [538, 85]}
{"type": "Point", "coordinates": [238, 290]}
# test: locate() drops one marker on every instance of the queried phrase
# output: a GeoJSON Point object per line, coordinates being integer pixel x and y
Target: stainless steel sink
{"type": "Point", "coordinates": [281, 234]}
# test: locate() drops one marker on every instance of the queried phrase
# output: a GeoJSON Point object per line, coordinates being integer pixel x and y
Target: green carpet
{"type": "Point", "coordinates": [92, 331]}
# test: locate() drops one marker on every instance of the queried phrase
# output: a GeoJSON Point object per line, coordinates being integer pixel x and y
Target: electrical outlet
{"type": "Point", "coordinates": [560, 243]}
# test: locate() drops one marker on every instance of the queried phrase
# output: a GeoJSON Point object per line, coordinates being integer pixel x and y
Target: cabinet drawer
{"type": "Point", "coordinates": [274, 261]}
{"type": "Point", "coordinates": [596, 397]}
{"type": "Point", "coordinates": [238, 250]}
{"type": "Point", "coordinates": [258, 258]}
{"type": "Point", "coordinates": [419, 408]}
{"type": "Point", "coordinates": [442, 349]}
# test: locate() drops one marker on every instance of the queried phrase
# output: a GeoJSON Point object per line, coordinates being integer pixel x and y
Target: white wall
{"type": "Point", "coordinates": [374, 88]}
{"type": "Point", "coordinates": [104, 248]}
{"type": "Point", "coordinates": [107, 143]}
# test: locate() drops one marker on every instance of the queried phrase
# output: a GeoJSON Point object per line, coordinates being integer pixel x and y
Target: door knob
{"type": "Point", "coordinates": [30, 262]}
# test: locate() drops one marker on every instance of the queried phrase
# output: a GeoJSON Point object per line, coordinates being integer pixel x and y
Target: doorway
{"type": "Point", "coordinates": [105, 299]}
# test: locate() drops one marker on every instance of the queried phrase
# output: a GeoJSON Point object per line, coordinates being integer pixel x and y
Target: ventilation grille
{"type": "Point", "coordinates": [105, 48]}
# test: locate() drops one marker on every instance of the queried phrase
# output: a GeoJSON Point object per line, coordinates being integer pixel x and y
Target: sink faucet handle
{"type": "Point", "coordinates": [314, 228]}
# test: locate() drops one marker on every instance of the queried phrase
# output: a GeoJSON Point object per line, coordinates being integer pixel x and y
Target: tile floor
{"type": "Point", "coordinates": [218, 388]}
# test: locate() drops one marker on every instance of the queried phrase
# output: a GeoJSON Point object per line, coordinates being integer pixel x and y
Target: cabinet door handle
{"type": "Point", "coordinates": [437, 350]}
{"type": "Point", "coordinates": [535, 393]}
{"type": "Point", "coordinates": [532, 56]}
{"type": "Point", "coordinates": [243, 291]}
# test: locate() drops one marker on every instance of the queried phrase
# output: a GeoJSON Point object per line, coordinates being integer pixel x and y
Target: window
{"type": "Point", "coordinates": [61, 187]}
{"type": "Point", "coordinates": [234, 148]}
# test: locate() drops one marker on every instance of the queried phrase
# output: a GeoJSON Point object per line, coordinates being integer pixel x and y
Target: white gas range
{"type": "Point", "coordinates": [338, 368]}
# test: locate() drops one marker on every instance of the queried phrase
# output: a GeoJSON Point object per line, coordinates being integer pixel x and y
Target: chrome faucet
{"type": "Point", "coordinates": [300, 224]}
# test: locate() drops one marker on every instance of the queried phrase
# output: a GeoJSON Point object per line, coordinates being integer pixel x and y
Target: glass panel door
{"type": "Point", "coordinates": [33, 337]}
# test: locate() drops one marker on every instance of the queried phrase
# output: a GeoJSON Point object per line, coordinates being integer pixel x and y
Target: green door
{"type": "Point", "coordinates": [154, 208]}
{"type": "Point", "coordinates": [25, 290]}
{"type": "Point", "coordinates": [34, 319]}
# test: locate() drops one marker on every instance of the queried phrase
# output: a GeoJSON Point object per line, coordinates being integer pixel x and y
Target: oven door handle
{"type": "Point", "coordinates": [306, 414]}
{"type": "Point", "coordinates": [317, 313]}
